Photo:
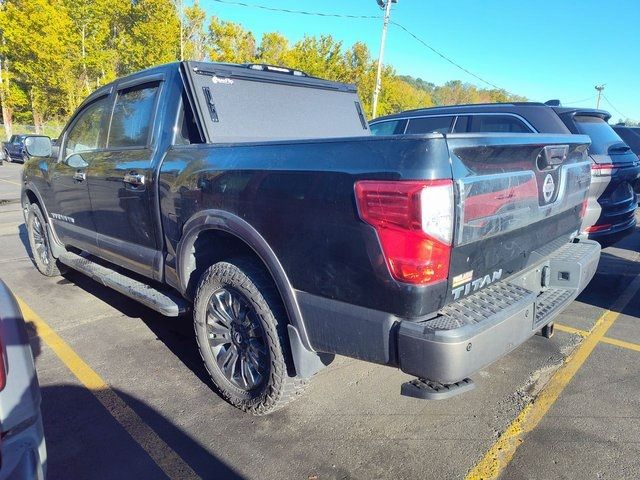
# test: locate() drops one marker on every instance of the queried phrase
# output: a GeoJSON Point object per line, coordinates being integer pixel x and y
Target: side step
{"type": "Point", "coordinates": [168, 303]}
{"type": "Point", "coordinates": [428, 390]}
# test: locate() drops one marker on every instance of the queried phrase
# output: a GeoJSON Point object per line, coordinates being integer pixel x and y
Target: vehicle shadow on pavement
{"type": "Point", "coordinates": [85, 441]}
{"type": "Point", "coordinates": [616, 270]}
{"type": "Point", "coordinates": [176, 333]}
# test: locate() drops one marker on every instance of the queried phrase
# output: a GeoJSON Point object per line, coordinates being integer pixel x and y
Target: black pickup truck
{"type": "Point", "coordinates": [256, 198]}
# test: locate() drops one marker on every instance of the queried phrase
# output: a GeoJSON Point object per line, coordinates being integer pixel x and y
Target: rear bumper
{"type": "Point", "coordinates": [613, 234]}
{"type": "Point", "coordinates": [477, 330]}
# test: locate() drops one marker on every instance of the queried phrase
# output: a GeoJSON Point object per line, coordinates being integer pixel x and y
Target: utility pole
{"type": "Point", "coordinates": [600, 88]}
{"type": "Point", "coordinates": [181, 13]}
{"type": "Point", "coordinates": [386, 4]}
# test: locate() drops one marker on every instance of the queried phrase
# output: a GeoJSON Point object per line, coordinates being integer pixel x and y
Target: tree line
{"type": "Point", "coordinates": [53, 53]}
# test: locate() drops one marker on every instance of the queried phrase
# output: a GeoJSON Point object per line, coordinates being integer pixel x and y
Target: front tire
{"type": "Point", "coordinates": [240, 326]}
{"type": "Point", "coordinates": [41, 254]}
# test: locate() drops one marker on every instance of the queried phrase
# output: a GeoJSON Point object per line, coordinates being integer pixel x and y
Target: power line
{"type": "Point", "coordinates": [443, 56]}
{"type": "Point", "coordinates": [367, 17]}
{"type": "Point", "coordinates": [611, 105]}
{"type": "Point", "coordinates": [579, 101]}
{"type": "Point", "coordinates": [300, 12]}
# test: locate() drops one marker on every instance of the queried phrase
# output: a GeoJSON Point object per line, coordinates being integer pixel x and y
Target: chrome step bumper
{"type": "Point", "coordinates": [477, 330]}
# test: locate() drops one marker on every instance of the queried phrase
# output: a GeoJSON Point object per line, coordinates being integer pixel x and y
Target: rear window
{"type": "Point", "coordinates": [430, 125]}
{"type": "Point", "coordinates": [601, 134]}
{"type": "Point", "coordinates": [497, 124]}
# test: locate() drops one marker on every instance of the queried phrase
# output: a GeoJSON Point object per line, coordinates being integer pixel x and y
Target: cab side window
{"type": "Point", "coordinates": [84, 135]}
{"type": "Point", "coordinates": [132, 117]}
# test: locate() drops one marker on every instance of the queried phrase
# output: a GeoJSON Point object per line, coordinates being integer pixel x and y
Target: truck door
{"type": "Point", "coordinates": [120, 184]}
{"type": "Point", "coordinates": [81, 146]}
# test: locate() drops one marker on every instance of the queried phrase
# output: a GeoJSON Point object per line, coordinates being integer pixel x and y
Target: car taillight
{"type": "Point", "coordinates": [414, 222]}
{"type": "Point", "coordinates": [603, 169]}
{"type": "Point", "coordinates": [598, 228]}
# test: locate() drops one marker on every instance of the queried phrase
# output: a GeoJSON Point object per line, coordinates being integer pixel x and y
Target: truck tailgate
{"type": "Point", "coordinates": [519, 198]}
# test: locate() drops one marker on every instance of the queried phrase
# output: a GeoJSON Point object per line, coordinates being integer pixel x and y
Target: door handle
{"type": "Point", "coordinates": [79, 176]}
{"type": "Point", "coordinates": [134, 179]}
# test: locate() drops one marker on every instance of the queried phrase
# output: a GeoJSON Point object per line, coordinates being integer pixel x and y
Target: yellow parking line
{"type": "Point", "coordinates": [165, 457]}
{"type": "Point", "coordinates": [568, 329]}
{"type": "Point", "coordinates": [609, 340]}
{"type": "Point", "coordinates": [9, 181]}
{"type": "Point", "coordinates": [503, 450]}
{"type": "Point", "coordinates": [621, 343]}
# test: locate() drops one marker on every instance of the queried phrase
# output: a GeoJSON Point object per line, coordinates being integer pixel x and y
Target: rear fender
{"type": "Point", "coordinates": [306, 361]}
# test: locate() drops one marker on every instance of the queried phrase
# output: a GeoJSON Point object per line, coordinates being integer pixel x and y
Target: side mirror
{"type": "Point", "coordinates": [37, 146]}
{"type": "Point", "coordinates": [76, 161]}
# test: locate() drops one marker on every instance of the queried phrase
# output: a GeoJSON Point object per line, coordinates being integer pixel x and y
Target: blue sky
{"type": "Point", "coordinates": [541, 49]}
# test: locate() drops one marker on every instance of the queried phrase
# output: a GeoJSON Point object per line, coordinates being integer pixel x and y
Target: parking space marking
{"type": "Point", "coordinates": [10, 181]}
{"type": "Point", "coordinates": [164, 456]}
{"type": "Point", "coordinates": [609, 340]}
{"type": "Point", "coordinates": [502, 451]}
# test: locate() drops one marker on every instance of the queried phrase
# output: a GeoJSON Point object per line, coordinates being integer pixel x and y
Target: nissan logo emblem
{"type": "Point", "coordinates": [548, 187]}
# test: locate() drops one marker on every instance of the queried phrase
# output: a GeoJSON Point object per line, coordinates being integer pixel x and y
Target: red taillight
{"type": "Point", "coordinates": [603, 169]}
{"type": "Point", "coordinates": [414, 222]}
{"type": "Point", "coordinates": [598, 228]}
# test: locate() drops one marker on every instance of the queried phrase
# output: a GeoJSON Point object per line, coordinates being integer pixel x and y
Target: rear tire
{"type": "Point", "coordinates": [240, 326]}
{"type": "Point", "coordinates": [41, 254]}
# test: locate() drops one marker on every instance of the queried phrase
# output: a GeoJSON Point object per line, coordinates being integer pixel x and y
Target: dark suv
{"type": "Point", "coordinates": [615, 169]}
{"type": "Point", "coordinates": [630, 135]}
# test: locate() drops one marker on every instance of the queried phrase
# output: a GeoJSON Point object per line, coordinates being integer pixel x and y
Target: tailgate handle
{"type": "Point", "coordinates": [134, 179]}
{"type": "Point", "coordinates": [554, 155]}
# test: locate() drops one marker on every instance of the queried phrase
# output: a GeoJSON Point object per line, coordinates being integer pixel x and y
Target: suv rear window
{"type": "Point", "coordinates": [430, 125]}
{"type": "Point", "coordinates": [385, 128]}
{"type": "Point", "coordinates": [601, 133]}
{"type": "Point", "coordinates": [497, 123]}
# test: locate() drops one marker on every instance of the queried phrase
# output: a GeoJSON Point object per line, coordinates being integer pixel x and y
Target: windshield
{"type": "Point", "coordinates": [604, 141]}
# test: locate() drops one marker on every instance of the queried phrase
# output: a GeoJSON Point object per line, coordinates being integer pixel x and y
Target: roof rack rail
{"type": "Point", "coordinates": [274, 68]}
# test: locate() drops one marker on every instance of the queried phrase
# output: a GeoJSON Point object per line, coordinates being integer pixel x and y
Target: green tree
{"type": "Point", "coordinates": [319, 56]}
{"type": "Point", "coordinates": [274, 50]}
{"type": "Point", "coordinates": [150, 35]}
{"type": "Point", "coordinates": [195, 36]}
{"type": "Point", "coordinates": [229, 42]}
{"type": "Point", "coordinates": [40, 54]}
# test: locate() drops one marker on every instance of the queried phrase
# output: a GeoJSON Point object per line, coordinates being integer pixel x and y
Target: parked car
{"type": "Point", "coordinates": [14, 149]}
{"type": "Point", "coordinates": [630, 135]}
{"type": "Point", "coordinates": [23, 453]}
{"type": "Point", "coordinates": [256, 197]}
{"type": "Point", "coordinates": [615, 170]}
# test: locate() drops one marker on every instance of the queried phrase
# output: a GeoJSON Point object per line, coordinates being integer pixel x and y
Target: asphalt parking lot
{"type": "Point", "coordinates": [125, 394]}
